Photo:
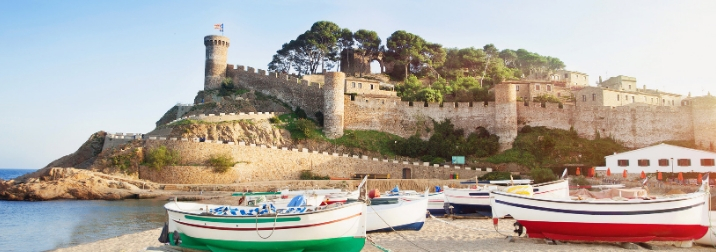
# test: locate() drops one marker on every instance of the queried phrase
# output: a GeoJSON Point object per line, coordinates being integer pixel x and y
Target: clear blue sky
{"type": "Point", "coordinates": [71, 68]}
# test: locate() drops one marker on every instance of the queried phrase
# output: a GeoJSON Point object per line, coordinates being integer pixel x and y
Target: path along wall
{"type": "Point", "coordinates": [262, 163]}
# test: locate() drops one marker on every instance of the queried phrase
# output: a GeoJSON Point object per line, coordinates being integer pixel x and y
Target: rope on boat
{"type": "Point", "coordinates": [391, 228]}
{"type": "Point", "coordinates": [272, 230]}
{"type": "Point", "coordinates": [376, 245]}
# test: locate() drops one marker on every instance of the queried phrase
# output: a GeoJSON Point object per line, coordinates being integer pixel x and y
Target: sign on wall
{"type": "Point", "coordinates": [458, 159]}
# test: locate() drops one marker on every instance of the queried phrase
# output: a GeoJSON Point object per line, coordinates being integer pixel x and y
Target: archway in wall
{"type": "Point", "coordinates": [407, 174]}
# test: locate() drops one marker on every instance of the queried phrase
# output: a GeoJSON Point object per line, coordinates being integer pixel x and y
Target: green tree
{"type": "Point", "coordinates": [404, 48]}
{"type": "Point", "coordinates": [409, 89]}
{"type": "Point", "coordinates": [324, 35]}
{"type": "Point", "coordinates": [429, 95]}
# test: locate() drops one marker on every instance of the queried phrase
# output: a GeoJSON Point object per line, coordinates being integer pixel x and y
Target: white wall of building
{"type": "Point", "coordinates": [653, 154]}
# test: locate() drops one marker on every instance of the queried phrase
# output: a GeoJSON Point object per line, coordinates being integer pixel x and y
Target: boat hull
{"type": "Point", "coordinates": [405, 215]}
{"type": "Point", "coordinates": [477, 201]}
{"type": "Point", "coordinates": [341, 227]}
{"type": "Point", "coordinates": [674, 219]}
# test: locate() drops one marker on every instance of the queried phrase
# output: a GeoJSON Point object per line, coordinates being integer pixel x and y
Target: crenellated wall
{"type": "Point", "coordinates": [295, 92]}
{"type": "Point", "coordinates": [266, 163]}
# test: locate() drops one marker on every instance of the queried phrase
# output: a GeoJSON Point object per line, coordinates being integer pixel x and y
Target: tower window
{"type": "Point", "coordinates": [517, 87]}
{"type": "Point", "coordinates": [594, 97]}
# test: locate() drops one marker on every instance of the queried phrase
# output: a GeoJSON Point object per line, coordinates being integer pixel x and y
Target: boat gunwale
{"type": "Point", "coordinates": [261, 216]}
{"type": "Point", "coordinates": [610, 202]}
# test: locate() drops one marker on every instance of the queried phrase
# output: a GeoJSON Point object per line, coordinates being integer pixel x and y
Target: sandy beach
{"type": "Point", "coordinates": [437, 235]}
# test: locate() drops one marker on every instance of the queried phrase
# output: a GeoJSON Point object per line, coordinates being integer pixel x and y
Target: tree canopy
{"type": "Point", "coordinates": [455, 74]}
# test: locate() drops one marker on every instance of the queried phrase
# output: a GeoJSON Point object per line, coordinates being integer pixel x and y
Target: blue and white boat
{"type": "Point", "coordinates": [396, 213]}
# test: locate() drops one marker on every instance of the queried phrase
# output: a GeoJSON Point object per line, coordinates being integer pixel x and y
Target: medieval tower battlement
{"type": "Point", "coordinates": [634, 127]}
{"type": "Point", "coordinates": [215, 66]}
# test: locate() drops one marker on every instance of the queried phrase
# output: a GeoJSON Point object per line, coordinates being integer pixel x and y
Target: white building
{"type": "Point", "coordinates": [664, 158]}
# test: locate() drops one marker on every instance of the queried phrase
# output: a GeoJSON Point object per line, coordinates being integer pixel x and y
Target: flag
{"type": "Point", "coordinates": [219, 27]}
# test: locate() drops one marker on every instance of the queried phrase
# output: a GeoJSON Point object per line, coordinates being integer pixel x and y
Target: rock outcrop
{"type": "Point", "coordinates": [70, 183]}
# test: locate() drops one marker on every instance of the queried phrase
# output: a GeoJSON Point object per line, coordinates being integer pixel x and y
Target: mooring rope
{"type": "Point", "coordinates": [274, 224]}
{"type": "Point", "coordinates": [391, 228]}
{"type": "Point", "coordinates": [376, 245]}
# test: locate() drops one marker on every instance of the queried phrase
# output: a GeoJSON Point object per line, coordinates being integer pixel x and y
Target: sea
{"type": "Point", "coordinates": [48, 225]}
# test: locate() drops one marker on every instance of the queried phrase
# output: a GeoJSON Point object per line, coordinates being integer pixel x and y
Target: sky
{"type": "Point", "coordinates": [72, 68]}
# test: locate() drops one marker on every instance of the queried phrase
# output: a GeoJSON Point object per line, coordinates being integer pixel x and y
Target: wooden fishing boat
{"type": "Point", "coordinates": [396, 213]}
{"type": "Point", "coordinates": [477, 200]}
{"type": "Point", "coordinates": [634, 220]}
{"type": "Point", "coordinates": [228, 228]}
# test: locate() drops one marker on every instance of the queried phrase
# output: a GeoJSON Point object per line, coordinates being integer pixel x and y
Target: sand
{"type": "Point", "coordinates": [436, 235]}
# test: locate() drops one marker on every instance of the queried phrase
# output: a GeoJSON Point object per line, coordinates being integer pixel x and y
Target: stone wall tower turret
{"type": "Point", "coordinates": [506, 115]}
{"type": "Point", "coordinates": [215, 67]}
{"type": "Point", "coordinates": [333, 88]}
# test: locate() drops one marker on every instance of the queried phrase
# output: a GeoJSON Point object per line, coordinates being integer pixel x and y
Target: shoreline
{"type": "Point", "coordinates": [442, 234]}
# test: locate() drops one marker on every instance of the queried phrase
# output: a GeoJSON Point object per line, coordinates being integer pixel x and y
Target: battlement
{"type": "Point", "coordinates": [224, 117]}
{"type": "Point", "coordinates": [216, 40]}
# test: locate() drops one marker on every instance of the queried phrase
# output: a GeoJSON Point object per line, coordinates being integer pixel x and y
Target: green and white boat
{"type": "Point", "coordinates": [238, 228]}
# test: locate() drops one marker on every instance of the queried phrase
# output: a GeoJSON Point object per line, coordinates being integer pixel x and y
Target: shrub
{"type": "Point", "coordinates": [161, 157]}
{"type": "Point", "coordinates": [541, 175]}
{"type": "Point", "coordinates": [305, 126]}
{"type": "Point", "coordinates": [579, 180]}
{"type": "Point", "coordinates": [274, 120]}
{"type": "Point", "coordinates": [222, 162]}
{"type": "Point", "coordinates": [498, 175]}
{"type": "Point", "coordinates": [309, 175]}
{"type": "Point", "coordinates": [437, 160]}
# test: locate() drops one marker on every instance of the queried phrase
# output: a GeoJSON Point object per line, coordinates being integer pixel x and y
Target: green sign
{"type": "Point", "coordinates": [458, 159]}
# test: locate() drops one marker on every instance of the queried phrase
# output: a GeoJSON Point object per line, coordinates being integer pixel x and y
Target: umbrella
{"type": "Point", "coordinates": [624, 174]}
{"type": "Point", "coordinates": [658, 176]}
{"type": "Point", "coordinates": [592, 172]}
{"type": "Point", "coordinates": [681, 176]}
{"type": "Point", "coordinates": [609, 172]}
{"type": "Point", "coordinates": [643, 175]}
{"type": "Point", "coordinates": [699, 179]}
{"type": "Point", "coordinates": [578, 171]}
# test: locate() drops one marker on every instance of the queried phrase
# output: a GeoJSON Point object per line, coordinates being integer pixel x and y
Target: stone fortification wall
{"type": "Point", "coordinates": [704, 121]}
{"type": "Point", "coordinates": [117, 139]}
{"type": "Point", "coordinates": [224, 117]}
{"type": "Point", "coordinates": [634, 127]}
{"type": "Point", "coordinates": [403, 119]}
{"type": "Point", "coordinates": [289, 89]}
{"type": "Point", "coordinates": [262, 163]}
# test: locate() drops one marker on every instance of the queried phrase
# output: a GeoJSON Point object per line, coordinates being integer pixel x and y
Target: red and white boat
{"type": "Point", "coordinates": [634, 220]}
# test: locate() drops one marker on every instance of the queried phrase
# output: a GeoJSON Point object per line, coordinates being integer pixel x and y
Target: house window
{"type": "Point", "coordinates": [353, 85]}
{"type": "Point", "coordinates": [643, 162]}
{"type": "Point", "coordinates": [537, 87]}
{"type": "Point", "coordinates": [629, 87]}
{"type": "Point", "coordinates": [623, 162]}
{"type": "Point", "coordinates": [566, 76]}
{"type": "Point", "coordinates": [663, 162]}
{"type": "Point", "coordinates": [683, 162]}
{"type": "Point", "coordinates": [632, 98]}
{"type": "Point", "coordinates": [618, 97]}
{"type": "Point", "coordinates": [594, 97]}
{"type": "Point", "coordinates": [549, 87]}
{"type": "Point", "coordinates": [517, 87]}
{"type": "Point", "coordinates": [360, 85]}
{"type": "Point", "coordinates": [371, 86]}
{"type": "Point", "coordinates": [584, 98]}
{"type": "Point", "coordinates": [707, 162]}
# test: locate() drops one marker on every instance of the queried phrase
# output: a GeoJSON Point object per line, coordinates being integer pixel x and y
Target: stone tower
{"type": "Point", "coordinates": [333, 104]}
{"type": "Point", "coordinates": [704, 116]}
{"type": "Point", "coordinates": [505, 115]}
{"type": "Point", "coordinates": [215, 67]}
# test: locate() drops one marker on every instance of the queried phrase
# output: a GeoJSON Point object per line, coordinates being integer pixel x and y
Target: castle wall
{"type": "Point", "coordinates": [296, 93]}
{"type": "Point", "coordinates": [399, 117]}
{"type": "Point", "coordinates": [223, 117]}
{"type": "Point", "coordinates": [262, 163]}
{"type": "Point", "coordinates": [704, 121]}
{"type": "Point", "coordinates": [117, 139]}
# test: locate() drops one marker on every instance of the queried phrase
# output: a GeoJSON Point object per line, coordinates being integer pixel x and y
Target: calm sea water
{"type": "Point", "coordinates": [46, 225]}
